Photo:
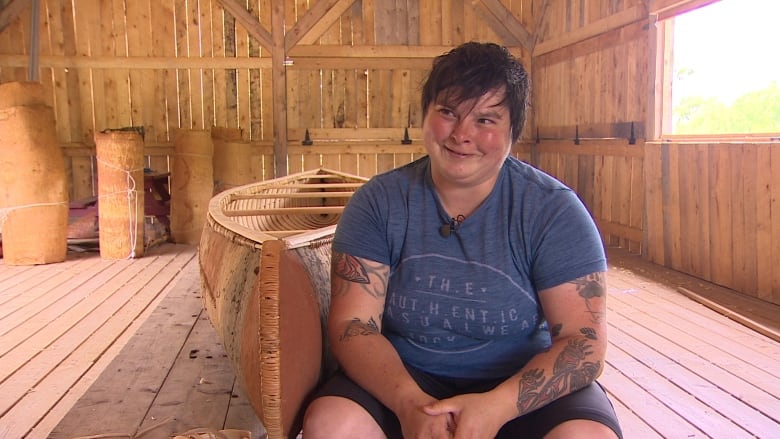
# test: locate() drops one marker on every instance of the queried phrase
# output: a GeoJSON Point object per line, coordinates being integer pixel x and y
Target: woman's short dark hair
{"type": "Point", "coordinates": [471, 70]}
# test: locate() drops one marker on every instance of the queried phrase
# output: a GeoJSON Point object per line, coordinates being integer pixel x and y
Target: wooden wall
{"type": "Point", "coordinates": [709, 210]}
{"type": "Point", "coordinates": [590, 76]}
{"type": "Point", "coordinates": [713, 212]}
{"type": "Point", "coordinates": [353, 70]}
{"type": "Point", "coordinates": [590, 69]}
{"type": "Point", "coordinates": [349, 71]}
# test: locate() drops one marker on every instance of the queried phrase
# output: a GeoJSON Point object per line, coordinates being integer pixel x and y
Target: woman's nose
{"type": "Point", "coordinates": [460, 132]}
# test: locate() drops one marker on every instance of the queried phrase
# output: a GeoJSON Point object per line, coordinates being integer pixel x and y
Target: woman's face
{"type": "Point", "coordinates": [467, 142]}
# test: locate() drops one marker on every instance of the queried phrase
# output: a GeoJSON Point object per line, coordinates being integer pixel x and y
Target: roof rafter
{"type": "Point", "coordinates": [252, 24]}
{"type": "Point", "coordinates": [508, 22]}
{"type": "Point", "coordinates": [670, 8]}
{"type": "Point", "coordinates": [539, 20]}
{"type": "Point", "coordinates": [10, 12]}
{"type": "Point", "coordinates": [598, 27]}
{"type": "Point", "coordinates": [316, 21]}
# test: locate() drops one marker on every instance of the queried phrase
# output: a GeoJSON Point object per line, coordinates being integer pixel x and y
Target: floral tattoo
{"type": "Point", "coordinates": [571, 371]}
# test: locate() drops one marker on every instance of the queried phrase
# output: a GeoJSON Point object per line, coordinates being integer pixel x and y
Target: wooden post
{"type": "Point", "coordinates": [279, 92]}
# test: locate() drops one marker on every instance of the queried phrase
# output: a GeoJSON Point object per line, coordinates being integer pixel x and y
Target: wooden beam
{"type": "Point", "coordinates": [612, 22]}
{"type": "Point", "coordinates": [669, 8]}
{"type": "Point", "coordinates": [11, 11]}
{"type": "Point", "coordinates": [362, 57]}
{"type": "Point", "coordinates": [366, 51]}
{"type": "Point", "coordinates": [539, 20]}
{"type": "Point", "coordinates": [613, 228]}
{"type": "Point", "coordinates": [137, 62]}
{"type": "Point", "coordinates": [319, 135]}
{"type": "Point", "coordinates": [252, 25]}
{"type": "Point", "coordinates": [386, 53]}
{"type": "Point", "coordinates": [507, 20]}
{"type": "Point", "coordinates": [506, 36]}
{"type": "Point", "coordinates": [594, 148]}
{"type": "Point", "coordinates": [279, 89]}
{"type": "Point", "coordinates": [736, 316]}
{"type": "Point", "coordinates": [315, 22]}
{"type": "Point", "coordinates": [368, 147]}
{"type": "Point", "coordinates": [655, 71]}
{"type": "Point", "coordinates": [358, 63]}
{"type": "Point", "coordinates": [33, 69]}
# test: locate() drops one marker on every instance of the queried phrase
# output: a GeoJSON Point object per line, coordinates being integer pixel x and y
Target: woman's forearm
{"type": "Point", "coordinates": [571, 364]}
{"type": "Point", "coordinates": [370, 360]}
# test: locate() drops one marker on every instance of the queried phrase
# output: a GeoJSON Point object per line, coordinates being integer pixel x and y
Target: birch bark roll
{"type": "Point", "coordinates": [120, 160]}
{"type": "Point", "coordinates": [33, 185]}
{"type": "Point", "coordinates": [231, 159]}
{"type": "Point", "coordinates": [192, 184]}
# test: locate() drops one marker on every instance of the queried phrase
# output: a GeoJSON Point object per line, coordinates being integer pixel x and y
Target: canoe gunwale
{"type": "Point", "coordinates": [218, 214]}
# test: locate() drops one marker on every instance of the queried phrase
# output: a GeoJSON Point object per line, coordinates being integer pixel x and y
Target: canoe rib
{"type": "Point", "coordinates": [265, 272]}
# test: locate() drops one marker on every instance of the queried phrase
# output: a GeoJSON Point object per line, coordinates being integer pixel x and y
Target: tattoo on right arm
{"type": "Point", "coordinates": [349, 268]}
{"type": "Point", "coordinates": [358, 327]}
{"type": "Point", "coordinates": [371, 276]}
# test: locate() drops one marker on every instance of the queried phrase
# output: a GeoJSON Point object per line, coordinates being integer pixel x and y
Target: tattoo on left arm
{"type": "Point", "coordinates": [571, 372]}
{"type": "Point", "coordinates": [590, 287]}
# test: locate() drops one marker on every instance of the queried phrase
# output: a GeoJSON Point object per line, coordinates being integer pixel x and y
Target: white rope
{"type": "Point", "coordinates": [132, 202]}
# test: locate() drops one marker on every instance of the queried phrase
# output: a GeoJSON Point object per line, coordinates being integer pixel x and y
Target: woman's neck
{"type": "Point", "coordinates": [463, 201]}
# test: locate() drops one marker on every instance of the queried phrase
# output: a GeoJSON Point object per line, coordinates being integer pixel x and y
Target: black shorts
{"type": "Point", "coordinates": [589, 403]}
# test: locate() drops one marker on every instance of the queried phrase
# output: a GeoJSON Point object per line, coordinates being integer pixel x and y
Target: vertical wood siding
{"type": "Point", "coordinates": [705, 209]}
{"type": "Point", "coordinates": [168, 64]}
{"type": "Point", "coordinates": [598, 85]}
{"type": "Point", "coordinates": [713, 212]}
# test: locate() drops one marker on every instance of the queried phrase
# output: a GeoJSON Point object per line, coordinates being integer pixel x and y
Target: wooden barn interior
{"type": "Point", "coordinates": [691, 224]}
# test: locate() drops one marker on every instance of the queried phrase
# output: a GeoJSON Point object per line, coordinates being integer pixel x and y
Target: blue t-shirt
{"type": "Point", "coordinates": [466, 305]}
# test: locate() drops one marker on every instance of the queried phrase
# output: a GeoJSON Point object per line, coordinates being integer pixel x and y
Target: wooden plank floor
{"type": "Point", "coordinates": [99, 344]}
{"type": "Point", "coordinates": [677, 369]}
{"type": "Point", "coordinates": [172, 376]}
{"type": "Point", "coordinates": [91, 347]}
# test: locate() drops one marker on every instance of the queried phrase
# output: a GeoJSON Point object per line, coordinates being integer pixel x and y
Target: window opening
{"type": "Point", "coordinates": [725, 77]}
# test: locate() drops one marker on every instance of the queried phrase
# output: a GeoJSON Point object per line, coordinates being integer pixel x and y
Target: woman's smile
{"type": "Point", "coordinates": [457, 154]}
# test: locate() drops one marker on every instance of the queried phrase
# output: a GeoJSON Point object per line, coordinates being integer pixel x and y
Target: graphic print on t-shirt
{"type": "Point", "coordinates": [445, 305]}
